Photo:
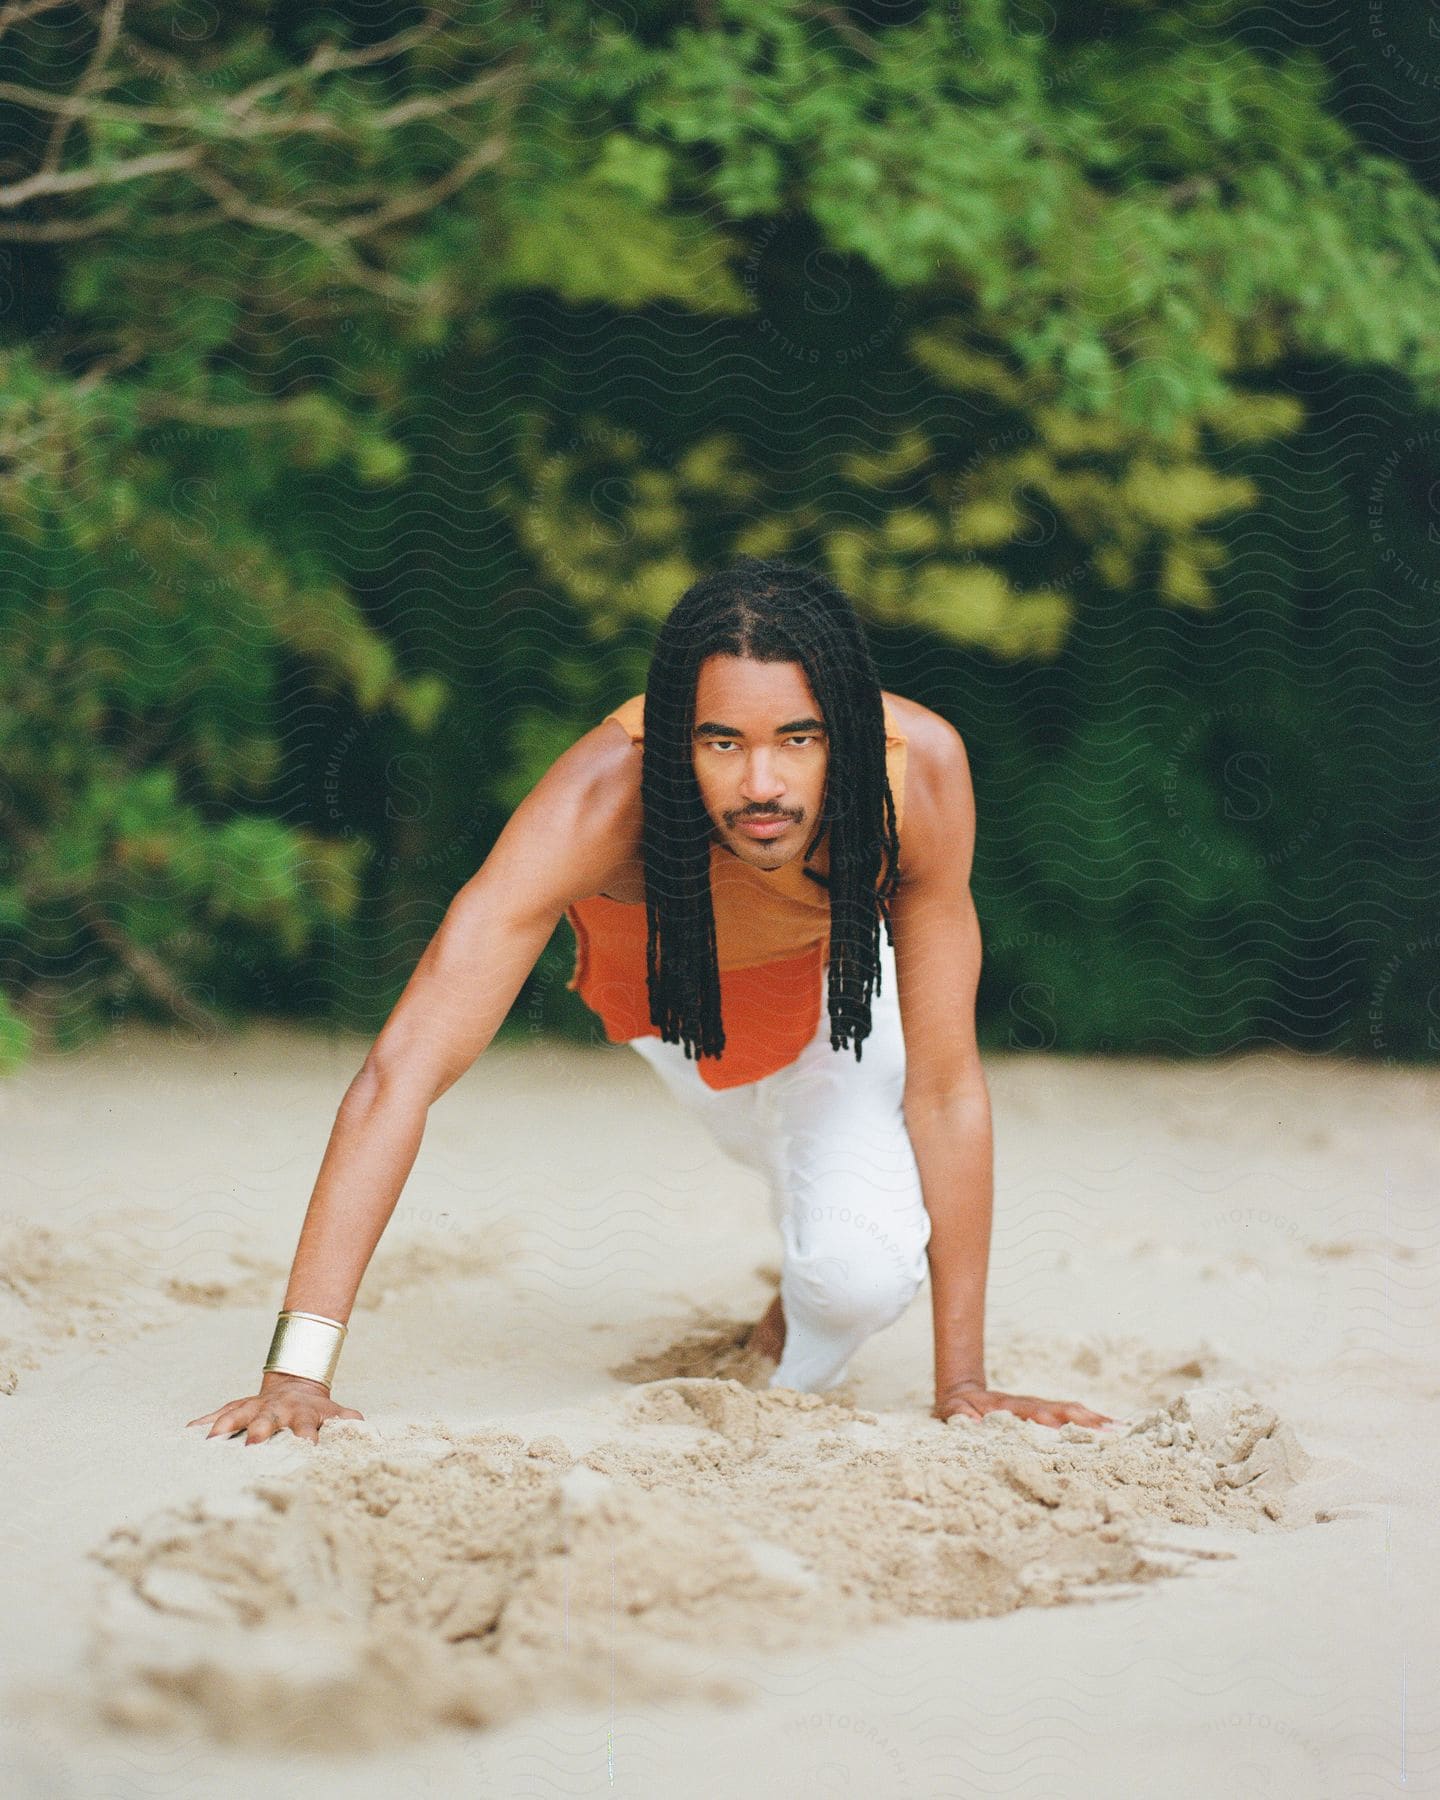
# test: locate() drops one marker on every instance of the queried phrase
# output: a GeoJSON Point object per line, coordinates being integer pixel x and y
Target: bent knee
{"type": "Point", "coordinates": [853, 1293]}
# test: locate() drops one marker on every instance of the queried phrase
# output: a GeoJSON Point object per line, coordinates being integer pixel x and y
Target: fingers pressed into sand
{"type": "Point", "coordinates": [228, 1420]}
{"type": "Point", "coordinates": [1077, 1414]}
{"type": "Point", "coordinates": [1069, 1412]}
{"type": "Point", "coordinates": [233, 1418]}
{"type": "Point", "coordinates": [261, 1416]}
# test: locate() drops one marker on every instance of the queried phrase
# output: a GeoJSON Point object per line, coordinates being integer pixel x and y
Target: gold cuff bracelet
{"type": "Point", "coordinates": [306, 1344]}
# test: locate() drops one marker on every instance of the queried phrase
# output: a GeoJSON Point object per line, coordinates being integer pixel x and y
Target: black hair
{"type": "Point", "coordinates": [766, 610]}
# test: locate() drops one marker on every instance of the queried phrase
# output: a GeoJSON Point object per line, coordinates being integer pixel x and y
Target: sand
{"type": "Point", "coordinates": [577, 1545]}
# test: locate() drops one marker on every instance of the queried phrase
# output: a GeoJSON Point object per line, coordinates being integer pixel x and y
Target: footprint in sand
{"type": "Point", "coordinates": [714, 1347]}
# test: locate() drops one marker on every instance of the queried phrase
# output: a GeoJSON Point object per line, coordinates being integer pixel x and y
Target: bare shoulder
{"type": "Point", "coordinates": [939, 797]}
{"type": "Point", "coordinates": [604, 755]}
{"type": "Point", "coordinates": [935, 751]}
{"type": "Point", "coordinates": [577, 826]}
{"type": "Point", "coordinates": [598, 793]}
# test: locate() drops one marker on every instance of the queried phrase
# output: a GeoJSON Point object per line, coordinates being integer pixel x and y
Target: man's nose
{"type": "Point", "coordinates": [762, 785]}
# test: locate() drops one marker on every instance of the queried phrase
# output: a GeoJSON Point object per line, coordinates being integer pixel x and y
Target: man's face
{"type": "Point", "coordinates": [760, 750]}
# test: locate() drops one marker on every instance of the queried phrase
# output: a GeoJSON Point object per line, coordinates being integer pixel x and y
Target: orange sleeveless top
{"type": "Point", "coordinates": [772, 938]}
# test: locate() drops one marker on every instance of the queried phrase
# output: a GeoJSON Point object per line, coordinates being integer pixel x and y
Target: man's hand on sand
{"type": "Point", "coordinates": [972, 1400]}
{"type": "Point", "coordinates": [283, 1400]}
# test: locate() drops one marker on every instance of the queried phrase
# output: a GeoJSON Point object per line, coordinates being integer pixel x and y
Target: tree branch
{"type": "Point", "coordinates": [239, 118]}
{"type": "Point", "coordinates": [155, 408]}
{"type": "Point", "coordinates": [148, 970]}
{"type": "Point", "coordinates": [56, 231]}
{"type": "Point", "coordinates": [76, 181]}
{"type": "Point", "coordinates": [845, 27]}
{"type": "Point", "coordinates": [90, 79]}
{"type": "Point", "coordinates": [164, 118]}
{"type": "Point", "coordinates": [483, 156]}
{"type": "Point", "coordinates": [333, 240]}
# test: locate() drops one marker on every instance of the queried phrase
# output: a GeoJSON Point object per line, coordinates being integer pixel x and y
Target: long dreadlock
{"type": "Point", "coordinates": [766, 610]}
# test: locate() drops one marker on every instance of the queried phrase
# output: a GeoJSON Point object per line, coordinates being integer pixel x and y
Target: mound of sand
{"type": "Point", "coordinates": [379, 1597]}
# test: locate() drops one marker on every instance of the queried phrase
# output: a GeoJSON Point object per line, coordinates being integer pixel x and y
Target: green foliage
{"type": "Point", "coordinates": [1002, 325]}
{"type": "Point", "coordinates": [15, 1038]}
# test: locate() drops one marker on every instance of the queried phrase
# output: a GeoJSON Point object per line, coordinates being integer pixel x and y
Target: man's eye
{"type": "Point", "coordinates": [805, 737]}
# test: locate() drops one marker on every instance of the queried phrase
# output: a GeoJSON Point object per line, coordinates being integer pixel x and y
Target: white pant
{"type": "Point", "coordinates": [828, 1134]}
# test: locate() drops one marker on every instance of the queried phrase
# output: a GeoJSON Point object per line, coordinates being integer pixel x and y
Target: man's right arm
{"type": "Point", "coordinates": [559, 845]}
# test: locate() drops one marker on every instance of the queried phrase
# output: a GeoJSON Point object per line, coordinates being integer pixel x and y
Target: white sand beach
{"type": "Point", "coordinates": [576, 1548]}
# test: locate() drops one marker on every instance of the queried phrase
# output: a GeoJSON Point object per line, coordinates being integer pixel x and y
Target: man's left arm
{"type": "Point", "coordinates": [947, 1103]}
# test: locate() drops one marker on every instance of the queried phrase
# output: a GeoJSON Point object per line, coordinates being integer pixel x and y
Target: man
{"type": "Point", "coordinates": [726, 845]}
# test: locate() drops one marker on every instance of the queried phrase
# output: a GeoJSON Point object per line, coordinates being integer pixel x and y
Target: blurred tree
{"type": "Point", "coordinates": [985, 317]}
